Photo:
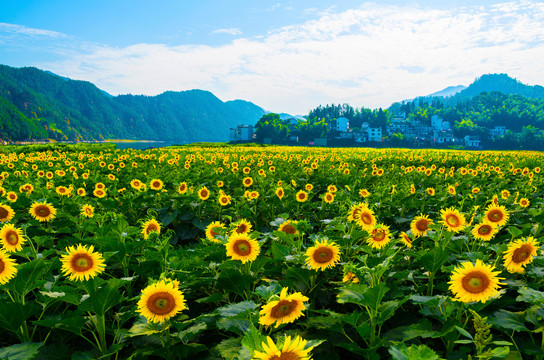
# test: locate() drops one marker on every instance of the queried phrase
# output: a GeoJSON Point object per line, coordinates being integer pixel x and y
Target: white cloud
{"type": "Point", "coordinates": [229, 31]}
{"type": "Point", "coordinates": [370, 56]}
{"type": "Point", "coordinates": [23, 30]}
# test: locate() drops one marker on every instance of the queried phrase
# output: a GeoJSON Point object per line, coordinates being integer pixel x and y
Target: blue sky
{"type": "Point", "coordinates": [286, 56]}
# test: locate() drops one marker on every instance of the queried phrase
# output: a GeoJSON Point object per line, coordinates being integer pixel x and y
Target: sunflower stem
{"type": "Point", "coordinates": [101, 328]}
{"type": "Point", "coordinates": [431, 284]}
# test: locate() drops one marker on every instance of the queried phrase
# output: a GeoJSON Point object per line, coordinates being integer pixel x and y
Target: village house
{"type": "Point", "coordinates": [497, 132]}
{"type": "Point", "coordinates": [241, 133]}
{"type": "Point", "coordinates": [472, 141]}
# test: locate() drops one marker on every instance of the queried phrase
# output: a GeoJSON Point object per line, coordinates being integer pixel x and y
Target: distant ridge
{"type": "Point", "coordinates": [449, 91]}
{"type": "Point", "coordinates": [36, 104]}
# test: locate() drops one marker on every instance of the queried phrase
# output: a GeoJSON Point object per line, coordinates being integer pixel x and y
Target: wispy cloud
{"type": "Point", "coordinates": [229, 31]}
{"type": "Point", "coordinates": [369, 56]}
{"type": "Point", "coordinates": [15, 29]}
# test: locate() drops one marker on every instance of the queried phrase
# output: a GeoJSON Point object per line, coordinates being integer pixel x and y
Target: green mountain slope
{"type": "Point", "coordinates": [40, 104]}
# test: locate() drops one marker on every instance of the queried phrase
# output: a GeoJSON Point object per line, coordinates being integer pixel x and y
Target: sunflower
{"type": "Point", "coordinates": [420, 225]}
{"type": "Point", "coordinates": [87, 210]}
{"type": "Point", "coordinates": [161, 301]}
{"type": "Point", "coordinates": [213, 229]}
{"type": "Point", "coordinates": [242, 247]}
{"type": "Point", "coordinates": [11, 196]}
{"type": "Point", "coordinates": [366, 219]}
{"type": "Point", "coordinates": [82, 263]}
{"type": "Point", "coordinates": [451, 189]}
{"type": "Point", "coordinates": [430, 191]}
{"type": "Point", "coordinates": [156, 184]}
{"type": "Point", "coordinates": [309, 187]}
{"type": "Point", "coordinates": [524, 202]}
{"type": "Point", "coordinates": [285, 310]}
{"type": "Point", "coordinates": [332, 188]}
{"type": "Point", "coordinates": [364, 193]}
{"type": "Point", "coordinates": [328, 197]}
{"type": "Point", "coordinates": [379, 236]}
{"type": "Point", "coordinates": [135, 184]}
{"type": "Point", "coordinates": [12, 238]}
{"type": "Point", "coordinates": [149, 227]}
{"type": "Point", "coordinates": [42, 211]}
{"type": "Point", "coordinates": [248, 181]}
{"type": "Point", "coordinates": [290, 350]}
{"type": "Point", "coordinates": [182, 188]}
{"type": "Point", "coordinates": [478, 282]}
{"type": "Point", "coordinates": [224, 200]}
{"type": "Point", "coordinates": [8, 267]}
{"type": "Point", "coordinates": [62, 191]}
{"type": "Point", "coordinates": [505, 194]}
{"type": "Point", "coordinates": [453, 219]}
{"type": "Point", "coordinates": [6, 213]}
{"type": "Point", "coordinates": [279, 192]}
{"type": "Point", "coordinates": [496, 214]}
{"type": "Point", "coordinates": [203, 193]}
{"type": "Point", "coordinates": [242, 226]}
{"type": "Point", "coordinates": [405, 239]}
{"type": "Point", "coordinates": [519, 254]}
{"type": "Point", "coordinates": [288, 227]}
{"type": "Point", "coordinates": [350, 277]}
{"type": "Point", "coordinates": [81, 192]}
{"type": "Point", "coordinates": [484, 231]}
{"type": "Point", "coordinates": [302, 196]}
{"type": "Point", "coordinates": [99, 193]}
{"type": "Point", "coordinates": [100, 186]}
{"type": "Point", "coordinates": [322, 255]}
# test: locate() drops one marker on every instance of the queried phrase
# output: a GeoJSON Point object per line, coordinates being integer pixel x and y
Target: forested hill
{"type": "Point", "coordinates": [36, 104]}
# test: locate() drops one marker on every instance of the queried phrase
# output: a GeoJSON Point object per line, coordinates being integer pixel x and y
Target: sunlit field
{"type": "Point", "coordinates": [271, 253]}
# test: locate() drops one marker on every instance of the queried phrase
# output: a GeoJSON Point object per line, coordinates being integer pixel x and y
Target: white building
{"type": "Point", "coordinates": [342, 124]}
{"type": "Point", "coordinates": [374, 134]}
{"type": "Point", "coordinates": [241, 133]}
{"type": "Point", "coordinates": [497, 132]}
{"type": "Point", "coordinates": [472, 141]}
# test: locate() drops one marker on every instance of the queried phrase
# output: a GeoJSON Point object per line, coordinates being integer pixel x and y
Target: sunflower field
{"type": "Point", "coordinates": [267, 253]}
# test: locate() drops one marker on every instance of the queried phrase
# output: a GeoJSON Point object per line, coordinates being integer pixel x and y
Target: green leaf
{"type": "Point", "coordinates": [508, 320]}
{"type": "Point", "coordinates": [143, 327]}
{"type": "Point", "coordinates": [12, 315]}
{"type": "Point", "coordinates": [24, 351]}
{"type": "Point", "coordinates": [253, 339]}
{"type": "Point", "coordinates": [233, 281]}
{"type": "Point", "coordinates": [362, 295]}
{"type": "Point", "coordinates": [103, 299]}
{"type": "Point", "coordinates": [191, 332]}
{"type": "Point", "coordinates": [235, 309]}
{"type": "Point", "coordinates": [434, 259]}
{"type": "Point", "coordinates": [27, 277]}
{"type": "Point", "coordinates": [73, 322]}
{"type": "Point", "coordinates": [464, 332]}
{"type": "Point", "coordinates": [421, 352]}
{"type": "Point", "coordinates": [530, 295]}
{"type": "Point", "coordinates": [422, 329]}
{"type": "Point", "coordinates": [229, 348]}
{"type": "Point", "coordinates": [500, 352]}
{"type": "Point", "coordinates": [265, 292]}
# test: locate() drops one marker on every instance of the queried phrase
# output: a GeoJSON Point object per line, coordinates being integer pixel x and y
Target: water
{"type": "Point", "coordinates": [146, 145]}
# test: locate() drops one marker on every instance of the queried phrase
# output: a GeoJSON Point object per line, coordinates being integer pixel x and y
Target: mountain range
{"type": "Point", "coordinates": [36, 104]}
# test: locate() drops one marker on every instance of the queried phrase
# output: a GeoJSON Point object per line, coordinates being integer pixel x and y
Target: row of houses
{"type": "Point", "coordinates": [438, 133]}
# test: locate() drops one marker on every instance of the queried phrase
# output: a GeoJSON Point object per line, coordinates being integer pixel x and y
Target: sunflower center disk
{"type": "Point", "coordinates": [12, 238]}
{"type": "Point", "coordinates": [286, 356]}
{"type": "Point", "coordinates": [242, 247]}
{"type": "Point", "coordinates": [378, 235]}
{"type": "Point", "coordinates": [452, 220]}
{"type": "Point", "coordinates": [82, 262]}
{"type": "Point", "coordinates": [2, 266]}
{"type": "Point", "coordinates": [366, 218]}
{"type": "Point", "coordinates": [323, 255]}
{"type": "Point", "coordinates": [421, 225]}
{"type": "Point", "coordinates": [42, 211]}
{"type": "Point", "coordinates": [241, 229]}
{"type": "Point", "coordinates": [289, 229]}
{"type": "Point", "coordinates": [283, 308]}
{"type": "Point", "coordinates": [161, 303]}
{"type": "Point", "coordinates": [3, 213]}
{"type": "Point", "coordinates": [495, 216]}
{"type": "Point", "coordinates": [475, 282]}
{"type": "Point", "coordinates": [521, 254]}
{"type": "Point", "coordinates": [486, 229]}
